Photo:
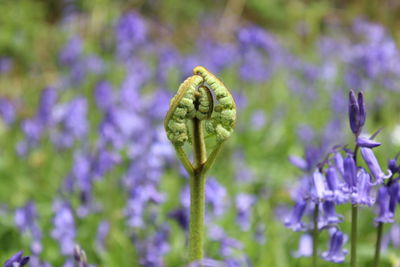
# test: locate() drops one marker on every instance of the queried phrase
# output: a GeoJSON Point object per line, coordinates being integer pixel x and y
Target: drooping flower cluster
{"type": "Point", "coordinates": [334, 180]}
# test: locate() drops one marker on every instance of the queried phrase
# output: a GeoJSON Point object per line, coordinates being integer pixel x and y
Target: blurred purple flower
{"type": "Point", "coordinates": [336, 253]}
{"type": "Point", "coordinates": [383, 200]}
{"type": "Point", "coordinates": [131, 31]}
{"type": "Point", "coordinates": [64, 227]}
{"type": "Point", "coordinates": [244, 204]}
{"type": "Point", "coordinates": [17, 260]}
{"type": "Point", "coordinates": [305, 246]}
{"type": "Point", "coordinates": [7, 111]}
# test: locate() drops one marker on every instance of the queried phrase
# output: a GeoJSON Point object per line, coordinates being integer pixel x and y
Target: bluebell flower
{"type": "Point", "coordinates": [373, 165]}
{"type": "Point", "coordinates": [357, 113]}
{"type": "Point", "coordinates": [336, 253]}
{"type": "Point", "coordinates": [26, 220]}
{"type": "Point", "coordinates": [305, 246]}
{"type": "Point", "coordinates": [103, 95]}
{"type": "Point", "coordinates": [7, 111]}
{"type": "Point", "coordinates": [244, 203]}
{"type": "Point", "coordinates": [394, 190]}
{"type": "Point", "coordinates": [64, 227]}
{"type": "Point", "coordinates": [393, 167]}
{"type": "Point", "coordinates": [6, 64]}
{"type": "Point", "coordinates": [334, 190]}
{"type": "Point", "coordinates": [350, 172]}
{"type": "Point", "coordinates": [366, 142]}
{"type": "Point", "coordinates": [383, 200]}
{"type": "Point", "coordinates": [71, 52]}
{"type": "Point", "coordinates": [131, 31]}
{"type": "Point", "coordinates": [17, 260]}
{"type": "Point", "coordinates": [319, 189]}
{"type": "Point", "coordinates": [361, 194]}
{"type": "Point", "coordinates": [330, 215]}
{"type": "Point", "coordinates": [294, 221]}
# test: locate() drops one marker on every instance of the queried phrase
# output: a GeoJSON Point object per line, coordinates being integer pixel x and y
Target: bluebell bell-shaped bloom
{"type": "Point", "coordinates": [383, 200]}
{"type": "Point", "coordinates": [392, 237]}
{"type": "Point", "coordinates": [103, 95]}
{"type": "Point", "coordinates": [366, 142]}
{"type": "Point", "coordinates": [350, 172]}
{"type": "Point", "coordinates": [394, 194]}
{"type": "Point", "coordinates": [181, 216]}
{"type": "Point", "coordinates": [294, 221]}
{"type": "Point", "coordinates": [334, 188]}
{"type": "Point", "coordinates": [6, 64]}
{"type": "Point", "coordinates": [17, 260]}
{"type": "Point", "coordinates": [131, 31]}
{"type": "Point", "coordinates": [319, 189]}
{"type": "Point", "coordinates": [26, 220]}
{"type": "Point", "coordinates": [330, 215]}
{"type": "Point", "coordinates": [153, 248]}
{"type": "Point", "coordinates": [244, 203]}
{"type": "Point", "coordinates": [356, 112]}
{"type": "Point", "coordinates": [48, 99]}
{"type": "Point", "coordinates": [71, 52]}
{"type": "Point", "coordinates": [7, 111]}
{"type": "Point", "coordinates": [64, 227]}
{"type": "Point", "coordinates": [336, 253]}
{"type": "Point", "coordinates": [393, 167]}
{"type": "Point", "coordinates": [339, 162]}
{"type": "Point", "coordinates": [215, 197]}
{"type": "Point", "coordinates": [373, 165]}
{"type": "Point", "coordinates": [361, 195]}
{"type": "Point", "coordinates": [305, 246]}
{"type": "Point", "coordinates": [298, 162]}
{"type": "Point", "coordinates": [228, 245]}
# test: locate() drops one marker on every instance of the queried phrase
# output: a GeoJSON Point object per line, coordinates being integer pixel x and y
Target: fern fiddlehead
{"type": "Point", "coordinates": [202, 99]}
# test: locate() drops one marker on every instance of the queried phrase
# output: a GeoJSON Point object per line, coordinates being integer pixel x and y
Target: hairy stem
{"type": "Point", "coordinates": [353, 254]}
{"type": "Point", "coordinates": [315, 236]}
{"type": "Point", "coordinates": [378, 244]}
{"type": "Point", "coordinates": [197, 192]}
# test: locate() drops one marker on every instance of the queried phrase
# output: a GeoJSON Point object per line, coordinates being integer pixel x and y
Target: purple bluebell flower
{"type": "Point", "coordinates": [102, 232]}
{"type": "Point", "coordinates": [305, 246]}
{"type": "Point", "coordinates": [47, 102]}
{"type": "Point", "coordinates": [350, 171]}
{"type": "Point", "coordinates": [336, 253]}
{"type": "Point", "coordinates": [330, 215]}
{"type": "Point", "coordinates": [244, 203]}
{"type": "Point", "coordinates": [6, 64]}
{"type": "Point", "coordinates": [394, 190]}
{"type": "Point", "coordinates": [373, 165]}
{"type": "Point", "coordinates": [258, 120]}
{"type": "Point", "coordinates": [356, 112]}
{"type": "Point", "coordinates": [298, 162]}
{"type": "Point", "coordinates": [215, 197]}
{"type": "Point", "coordinates": [64, 227]}
{"type": "Point", "coordinates": [7, 111]}
{"type": "Point", "coordinates": [71, 52]}
{"type": "Point", "coordinates": [17, 260]}
{"type": "Point", "coordinates": [361, 193]}
{"type": "Point", "coordinates": [26, 220]}
{"type": "Point", "coordinates": [228, 245]}
{"type": "Point", "coordinates": [366, 142]}
{"type": "Point", "coordinates": [339, 162]}
{"type": "Point", "coordinates": [393, 167]}
{"type": "Point", "coordinates": [181, 216]}
{"type": "Point", "coordinates": [334, 187]}
{"type": "Point", "coordinates": [294, 221]}
{"type": "Point", "coordinates": [319, 188]}
{"type": "Point", "coordinates": [131, 31]}
{"type": "Point", "coordinates": [383, 200]}
{"type": "Point", "coordinates": [153, 249]}
{"type": "Point", "coordinates": [103, 95]}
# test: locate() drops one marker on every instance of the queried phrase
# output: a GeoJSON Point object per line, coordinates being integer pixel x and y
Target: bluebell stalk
{"type": "Point", "coordinates": [205, 105]}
